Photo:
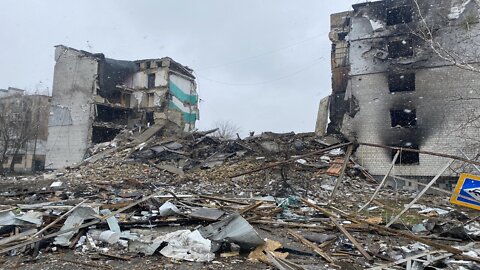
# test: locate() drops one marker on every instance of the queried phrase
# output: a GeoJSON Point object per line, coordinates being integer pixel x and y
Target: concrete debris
{"type": "Point", "coordinates": [230, 206]}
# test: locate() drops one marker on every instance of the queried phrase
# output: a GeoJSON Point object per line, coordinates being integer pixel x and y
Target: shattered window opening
{"type": "Point", "coordinates": [149, 117]}
{"type": "Point", "coordinates": [404, 118]}
{"type": "Point", "coordinates": [399, 15]}
{"type": "Point", "coordinates": [103, 134]}
{"type": "Point", "coordinates": [400, 48]}
{"type": "Point", "coordinates": [401, 82]}
{"type": "Point", "coordinates": [406, 157]}
{"type": "Point", "coordinates": [151, 80]}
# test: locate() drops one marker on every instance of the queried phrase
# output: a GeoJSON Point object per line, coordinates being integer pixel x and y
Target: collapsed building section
{"type": "Point", "coordinates": [404, 74]}
{"type": "Point", "coordinates": [94, 98]}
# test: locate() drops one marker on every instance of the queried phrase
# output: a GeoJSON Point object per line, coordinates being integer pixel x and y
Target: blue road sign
{"type": "Point", "coordinates": [467, 191]}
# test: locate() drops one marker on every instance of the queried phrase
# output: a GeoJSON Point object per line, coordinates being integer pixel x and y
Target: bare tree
{"type": "Point", "coordinates": [457, 56]}
{"type": "Point", "coordinates": [16, 128]}
{"type": "Point", "coordinates": [226, 130]}
{"type": "Point", "coordinates": [426, 33]}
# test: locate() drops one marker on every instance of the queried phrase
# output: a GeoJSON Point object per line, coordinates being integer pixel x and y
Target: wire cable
{"type": "Point", "coordinates": [247, 58]}
{"type": "Point", "coordinates": [263, 82]}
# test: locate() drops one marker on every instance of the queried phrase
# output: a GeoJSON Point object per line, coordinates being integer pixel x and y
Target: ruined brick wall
{"type": "Point", "coordinates": [439, 118]}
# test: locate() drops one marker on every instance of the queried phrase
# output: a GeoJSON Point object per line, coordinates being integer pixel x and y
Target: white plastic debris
{"type": "Point", "coordinates": [168, 209]}
{"type": "Point", "coordinates": [56, 184]}
{"type": "Point", "coordinates": [189, 246]}
{"type": "Point", "coordinates": [301, 161]}
{"type": "Point", "coordinates": [336, 152]}
{"type": "Point", "coordinates": [109, 237]}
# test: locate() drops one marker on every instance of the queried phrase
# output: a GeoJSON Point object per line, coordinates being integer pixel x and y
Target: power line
{"type": "Point", "coordinates": [264, 82]}
{"type": "Point", "coordinates": [244, 59]}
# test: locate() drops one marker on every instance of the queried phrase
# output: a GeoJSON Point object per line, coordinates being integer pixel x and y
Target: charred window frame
{"type": "Point", "coordinates": [404, 82]}
{"type": "Point", "coordinates": [407, 157]}
{"type": "Point", "coordinates": [151, 80]}
{"type": "Point", "coordinates": [405, 118]}
{"type": "Point", "coordinates": [400, 48]}
{"type": "Point", "coordinates": [399, 15]}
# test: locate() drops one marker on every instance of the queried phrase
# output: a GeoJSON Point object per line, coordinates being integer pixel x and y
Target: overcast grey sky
{"type": "Point", "coordinates": [262, 64]}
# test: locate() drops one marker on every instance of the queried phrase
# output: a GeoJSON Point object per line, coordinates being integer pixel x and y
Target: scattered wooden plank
{"type": "Point", "coordinates": [352, 239]}
{"type": "Point", "coordinates": [94, 265]}
{"type": "Point", "coordinates": [402, 261]}
{"type": "Point", "coordinates": [118, 257]}
{"type": "Point", "coordinates": [421, 193]}
{"type": "Point", "coordinates": [290, 224]}
{"type": "Point", "coordinates": [311, 245]}
{"type": "Point", "coordinates": [383, 181]}
{"type": "Point", "coordinates": [101, 220]}
{"type": "Point", "coordinates": [58, 219]}
{"type": "Point", "coordinates": [251, 207]}
{"type": "Point", "coordinates": [17, 236]}
{"type": "Point", "coordinates": [342, 172]}
{"type": "Point", "coordinates": [457, 252]}
{"type": "Point", "coordinates": [282, 264]}
{"type": "Point", "coordinates": [222, 199]}
{"type": "Point", "coordinates": [279, 163]}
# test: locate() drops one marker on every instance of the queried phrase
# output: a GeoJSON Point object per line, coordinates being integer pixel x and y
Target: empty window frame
{"type": "Point", "coordinates": [17, 159]}
{"type": "Point", "coordinates": [399, 15]}
{"type": "Point", "coordinates": [148, 64]}
{"type": "Point", "coordinates": [151, 99]}
{"type": "Point", "coordinates": [405, 118]}
{"type": "Point", "coordinates": [401, 82]}
{"type": "Point", "coordinates": [151, 80]}
{"type": "Point", "coordinates": [400, 48]}
{"type": "Point", "coordinates": [407, 157]}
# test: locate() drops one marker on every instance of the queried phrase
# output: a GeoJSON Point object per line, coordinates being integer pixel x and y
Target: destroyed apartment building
{"type": "Point", "coordinates": [405, 74]}
{"type": "Point", "coordinates": [23, 134]}
{"type": "Point", "coordinates": [94, 98]}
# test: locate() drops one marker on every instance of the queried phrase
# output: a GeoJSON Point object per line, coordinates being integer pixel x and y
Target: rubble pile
{"type": "Point", "coordinates": [272, 201]}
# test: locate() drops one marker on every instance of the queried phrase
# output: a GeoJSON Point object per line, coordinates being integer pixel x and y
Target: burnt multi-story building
{"type": "Point", "coordinates": [94, 98]}
{"type": "Point", "coordinates": [406, 73]}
